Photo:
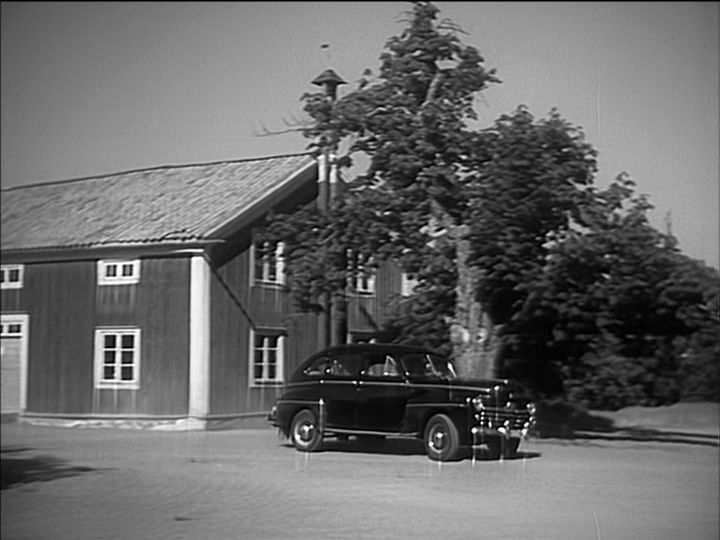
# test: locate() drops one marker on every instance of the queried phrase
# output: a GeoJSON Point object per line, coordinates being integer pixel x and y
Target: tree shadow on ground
{"type": "Point", "coordinates": [19, 469]}
{"type": "Point", "coordinates": [564, 421]}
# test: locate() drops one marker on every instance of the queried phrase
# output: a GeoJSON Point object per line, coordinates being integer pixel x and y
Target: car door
{"type": "Point", "coordinates": [381, 395]}
{"type": "Point", "coordinates": [338, 389]}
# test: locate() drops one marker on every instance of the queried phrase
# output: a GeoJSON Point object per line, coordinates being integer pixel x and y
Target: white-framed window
{"type": "Point", "coordinates": [267, 357]}
{"type": "Point", "coordinates": [117, 358]}
{"type": "Point", "coordinates": [11, 329]}
{"type": "Point", "coordinates": [118, 272]}
{"type": "Point", "coordinates": [11, 276]}
{"type": "Point", "coordinates": [407, 285]}
{"type": "Point", "coordinates": [268, 263]}
{"type": "Point", "coordinates": [14, 332]}
{"type": "Point", "coordinates": [363, 281]}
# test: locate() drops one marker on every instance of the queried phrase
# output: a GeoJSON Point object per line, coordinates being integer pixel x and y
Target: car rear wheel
{"type": "Point", "coordinates": [441, 439]}
{"type": "Point", "coordinates": [502, 447]}
{"type": "Point", "coordinates": [305, 433]}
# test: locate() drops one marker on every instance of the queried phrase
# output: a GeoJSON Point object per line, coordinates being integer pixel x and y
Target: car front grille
{"type": "Point", "coordinates": [506, 416]}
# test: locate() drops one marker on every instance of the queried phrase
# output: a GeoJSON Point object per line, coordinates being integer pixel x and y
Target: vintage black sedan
{"type": "Point", "coordinates": [387, 390]}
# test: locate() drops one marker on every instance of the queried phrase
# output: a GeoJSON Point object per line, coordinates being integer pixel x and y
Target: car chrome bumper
{"type": "Point", "coordinates": [479, 432]}
{"type": "Point", "coordinates": [501, 425]}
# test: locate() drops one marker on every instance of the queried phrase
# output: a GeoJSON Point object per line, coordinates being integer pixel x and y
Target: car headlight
{"type": "Point", "coordinates": [478, 403]}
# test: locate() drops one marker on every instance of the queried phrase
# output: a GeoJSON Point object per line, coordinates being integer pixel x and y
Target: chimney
{"type": "Point", "coordinates": [332, 320]}
{"type": "Point", "coordinates": [327, 168]}
{"type": "Point", "coordinates": [329, 80]}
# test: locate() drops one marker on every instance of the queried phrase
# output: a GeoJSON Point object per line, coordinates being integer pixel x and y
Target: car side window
{"type": "Point", "coordinates": [344, 365]}
{"type": "Point", "coordinates": [414, 364]}
{"type": "Point", "coordinates": [382, 366]}
{"type": "Point", "coordinates": [428, 366]}
{"type": "Point", "coordinates": [317, 367]}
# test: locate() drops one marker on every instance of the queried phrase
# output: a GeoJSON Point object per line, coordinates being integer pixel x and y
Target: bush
{"type": "Point", "coordinates": [611, 382]}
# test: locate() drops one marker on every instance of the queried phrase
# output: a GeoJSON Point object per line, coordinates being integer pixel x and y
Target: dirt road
{"type": "Point", "coordinates": [77, 484]}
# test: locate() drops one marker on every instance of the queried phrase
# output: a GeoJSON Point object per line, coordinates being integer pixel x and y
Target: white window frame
{"type": "Point", "coordinates": [407, 285]}
{"type": "Point", "coordinates": [6, 270]}
{"type": "Point", "coordinates": [120, 266]}
{"type": "Point", "coordinates": [364, 282]}
{"type": "Point", "coordinates": [265, 350]}
{"type": "Point", "coordinates": [277, 262]}
{"type": "Point", "coordinates": [23, 322]}
{"type": "Point", "coordinates": [116, 382]}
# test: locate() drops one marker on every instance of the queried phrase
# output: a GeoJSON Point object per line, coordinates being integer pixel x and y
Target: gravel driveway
{"type": "Point", "coordinates": [94, 483]}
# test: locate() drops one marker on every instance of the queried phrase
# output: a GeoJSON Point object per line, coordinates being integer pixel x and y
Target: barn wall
{"type": "Point", "coordinates": [237, 307]}
{"type": "Point", "coordinates": [367, 313]}
{"type": "Point", "coordinates": [66, 305]}
{"type": "Point", "coordinates": [59, 298]}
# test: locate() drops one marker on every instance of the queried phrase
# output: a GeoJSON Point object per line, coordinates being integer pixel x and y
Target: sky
{"type": "Point", "coordinates": [93, 88]}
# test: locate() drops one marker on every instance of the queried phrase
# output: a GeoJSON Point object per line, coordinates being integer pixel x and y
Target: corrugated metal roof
{"type": "Point", "coordinates": [163, 204]}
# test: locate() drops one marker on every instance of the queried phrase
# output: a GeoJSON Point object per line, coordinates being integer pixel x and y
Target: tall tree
{"type": "Point", "coordinates": [412, 124]}
{"type": "Point", "coordinates": [625, 314]}
{"type": "Point", "coordinates": [436, 190]}
{"type": "Point", "coordinates": [529, 180]}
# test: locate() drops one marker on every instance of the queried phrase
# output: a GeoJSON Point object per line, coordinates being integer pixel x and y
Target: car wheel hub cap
{"type": "Point", "coordinates": [306, 432]}
{"type": "Point", "coordinates": [438, 440]}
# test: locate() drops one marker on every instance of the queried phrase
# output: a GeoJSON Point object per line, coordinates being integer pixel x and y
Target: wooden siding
{"type": "Point", "coordinates": [163, 314]}
{"type": "Point", "coordinates": [367, 313]}
{"type": "Point", "coordinates": [303, 339]}
{"type": "Point", "coordinates": [10, 300]}
{"type": "Point", "coordinates": [228, 339]}
{"type": "Point", "coordinates": [59, 299]}
{"type": "Point", "coordinates": [66, 305]}
{"type": "Point", "coordinates": [233, 314]}
{"type": "Point", "coordinates": [237, 307]}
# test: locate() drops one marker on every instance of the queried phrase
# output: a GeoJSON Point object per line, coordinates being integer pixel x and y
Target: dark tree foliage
{"type": "Point", "coordinates": [526, 184]}
{"type": "Point", "coordinates": [421, 319]}
{"type": "Point", "coordinates": [624, 317]}
{"type": "Point", "coordinates": [524, 267]}
{"type": "Point", "coordinates": [411, 123]}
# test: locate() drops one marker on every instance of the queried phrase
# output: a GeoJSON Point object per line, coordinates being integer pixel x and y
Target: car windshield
{"type": "Point", "coordinates": [428, 366]}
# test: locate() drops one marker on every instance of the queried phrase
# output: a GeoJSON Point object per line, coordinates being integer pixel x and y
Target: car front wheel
{"type": "Point", "coordinates": [305, 432]}
{"type": "Point", "coordinates": [441, 439]}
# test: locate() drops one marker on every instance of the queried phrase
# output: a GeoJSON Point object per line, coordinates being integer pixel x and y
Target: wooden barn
{"type": "Point", "coordinates": [145, 297]}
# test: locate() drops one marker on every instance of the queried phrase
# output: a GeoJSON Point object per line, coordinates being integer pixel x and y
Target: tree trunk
{"type": "Point", "coordinates": [472, 332]}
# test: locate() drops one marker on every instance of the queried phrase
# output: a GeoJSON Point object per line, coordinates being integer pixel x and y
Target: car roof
{"type": "Point", "coordinates": [380, 348]}
{"type": "Point", "coordinates": [376, 347]}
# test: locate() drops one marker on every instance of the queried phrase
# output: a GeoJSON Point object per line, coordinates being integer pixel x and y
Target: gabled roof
{"type": "Point", "coordinates": [151, 206]}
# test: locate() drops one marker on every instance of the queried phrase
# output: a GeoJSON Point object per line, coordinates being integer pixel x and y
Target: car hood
{"type": "Point", "coordinates": [479, 384]}
{"type": "Point", "coordinates": [503, 389]}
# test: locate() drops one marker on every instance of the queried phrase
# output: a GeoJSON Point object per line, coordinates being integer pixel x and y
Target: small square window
{"type": "Point", "coordinates": [11, 276]}
{"type": "Point", "coordinates": [118, 272]}
{"type": "Point", "coordinates": [361, 278]}
{"type": "Point", "coordinates": [408, 285]}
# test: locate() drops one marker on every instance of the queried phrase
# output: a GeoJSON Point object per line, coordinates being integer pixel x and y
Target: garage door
{"type": "Point", "coordinates": [13, 353]}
